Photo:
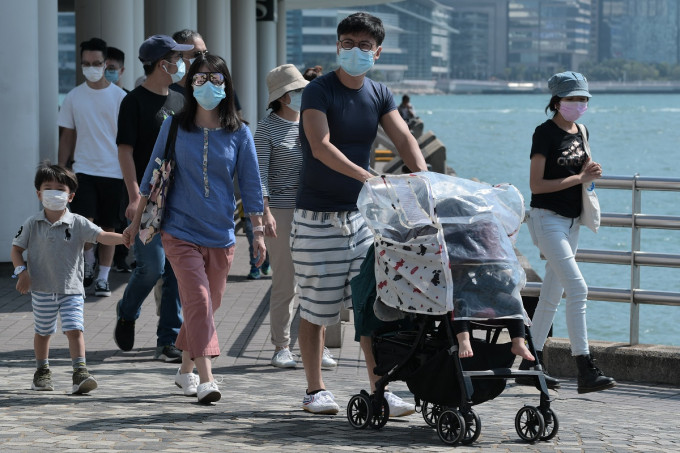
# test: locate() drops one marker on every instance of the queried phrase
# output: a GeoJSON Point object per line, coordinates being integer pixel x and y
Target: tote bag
{"type": "Point", "coordinates": [590, 212]}
{"type": "Point", "coordinates": [152, 217]}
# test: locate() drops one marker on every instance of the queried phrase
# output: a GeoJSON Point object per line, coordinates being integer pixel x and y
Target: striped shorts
{"type": "Point", "coordinates": [47, 305]}
{"type": "Point", "coordinates": [327, 249]}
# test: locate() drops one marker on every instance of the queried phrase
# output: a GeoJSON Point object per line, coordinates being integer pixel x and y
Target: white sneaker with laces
{"type": "Point", "coordinates": [208, 392]}
{"type": "Point", "coordinates": [327, 360]}
{"type": "Point", "coordinates": [322, 402]}
{"type": "Point", "coordinates": [398, 407]}
{"type": "Point", "coordinates": [283, 359]}
{"type": "Point", "coordinates": [188, 382]}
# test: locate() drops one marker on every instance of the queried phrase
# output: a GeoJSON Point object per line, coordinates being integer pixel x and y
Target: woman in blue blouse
{"type": "Point", "coordinates": [198, 225]}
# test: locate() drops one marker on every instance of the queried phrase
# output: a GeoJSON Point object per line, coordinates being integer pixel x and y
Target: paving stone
{"type": "Point", "coordinates": [137, 407]}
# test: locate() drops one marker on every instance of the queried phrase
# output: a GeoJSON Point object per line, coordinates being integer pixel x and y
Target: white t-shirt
{"type": "Point", "coordinates": [94, 116]}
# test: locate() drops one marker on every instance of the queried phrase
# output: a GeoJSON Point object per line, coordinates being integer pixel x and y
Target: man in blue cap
{"type": "Point", "coordinates": [141, 114]}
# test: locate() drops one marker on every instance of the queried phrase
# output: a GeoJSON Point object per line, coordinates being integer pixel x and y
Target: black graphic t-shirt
{"type": "Point", "coordinates": [564, 156]}
{"type": "Point", "coordinates": [141, 114]}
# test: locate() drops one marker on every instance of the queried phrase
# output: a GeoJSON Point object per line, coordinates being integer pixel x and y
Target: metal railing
{"type": "Point", "coordinates": [635, 258]}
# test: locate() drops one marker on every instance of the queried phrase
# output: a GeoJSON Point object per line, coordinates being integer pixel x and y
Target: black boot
{"type": "Point", "coordinates": [590, 378]}
{"type": "Point", "coordinates": [550, 382]}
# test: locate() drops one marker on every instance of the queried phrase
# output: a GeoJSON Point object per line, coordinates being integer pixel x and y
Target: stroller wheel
{"type": "Point", "coordinates": [450, 427]}
{"type": "Point", "coordinates": [529, 424]}
{"type": "Point", "coordinates": [552, 424]}
{"type": "Point", "coordinates": [359, 411]}
{"type": "Point", "coordinates": [473, 427]}
{"type": "Point", "coordinates": [431, 413]}
{"type": "Point", "coordinates": [380, 417]}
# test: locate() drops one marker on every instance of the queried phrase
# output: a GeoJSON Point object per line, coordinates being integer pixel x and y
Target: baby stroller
{"type": "Point", "coordinates": [443, 253]}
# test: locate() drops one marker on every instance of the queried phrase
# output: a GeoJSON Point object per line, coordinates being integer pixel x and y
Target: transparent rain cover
{"type": "Point", "coordinates": [444, 243]}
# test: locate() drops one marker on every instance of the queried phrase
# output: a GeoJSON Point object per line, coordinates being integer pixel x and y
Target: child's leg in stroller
{"type": "Point", "coordinates": [462, 331]}
{"type": "Point", "coordinates": [517, 334]}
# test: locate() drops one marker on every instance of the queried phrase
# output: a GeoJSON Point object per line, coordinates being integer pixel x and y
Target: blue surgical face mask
{"type": "Point", "coordinates": [355, 62]}
{"type": "Point", "coordinates": [181, 70]}
{"type": "Point", "coordinates": [208, 95]}
{"type": "Point", "coordinates": [112, 75]}
{"type": "Point", "coordinates": [295, 100]}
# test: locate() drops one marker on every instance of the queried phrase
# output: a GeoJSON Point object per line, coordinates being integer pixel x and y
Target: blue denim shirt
{"type": "Point", "coordinates": [201, 204]}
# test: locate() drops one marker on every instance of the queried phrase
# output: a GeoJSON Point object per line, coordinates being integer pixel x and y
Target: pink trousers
{"type": "Point", "coordinates": [201, 279]}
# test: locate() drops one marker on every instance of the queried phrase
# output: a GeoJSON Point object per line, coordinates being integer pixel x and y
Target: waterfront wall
{"type": "Point", "coordinates": [462, 86]}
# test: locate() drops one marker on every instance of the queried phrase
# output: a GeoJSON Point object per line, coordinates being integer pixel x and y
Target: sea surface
{"type": "Point", "coordinates": [489, 137]}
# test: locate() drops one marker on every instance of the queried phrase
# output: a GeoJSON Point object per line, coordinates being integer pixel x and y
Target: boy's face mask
{"type": "Point", "coordinates": [54, 200]}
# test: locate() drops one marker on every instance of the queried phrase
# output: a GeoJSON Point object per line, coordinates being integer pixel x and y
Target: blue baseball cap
{"type": "Point", "coordinates": [567, 84]}
{"type": "Point", "coordinates": [155, 47]}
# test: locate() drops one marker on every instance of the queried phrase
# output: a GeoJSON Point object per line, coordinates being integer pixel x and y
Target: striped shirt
{"type": "Point", "coordinates": [279, 154]}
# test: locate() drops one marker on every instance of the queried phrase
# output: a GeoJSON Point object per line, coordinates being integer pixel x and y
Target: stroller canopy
{"type": "Point", "coordinates": [444, 243]}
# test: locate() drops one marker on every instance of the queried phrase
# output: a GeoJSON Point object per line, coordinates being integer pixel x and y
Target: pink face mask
{"type": "Point", "coordinates": [571, 111]}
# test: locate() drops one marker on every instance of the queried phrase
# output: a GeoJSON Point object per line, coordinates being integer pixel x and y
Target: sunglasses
{"type": "Point", "coordinates": [217, 78]}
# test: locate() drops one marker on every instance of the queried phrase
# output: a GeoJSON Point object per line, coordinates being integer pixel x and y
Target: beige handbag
{"type": "Point", "coordinates": [590, 212]}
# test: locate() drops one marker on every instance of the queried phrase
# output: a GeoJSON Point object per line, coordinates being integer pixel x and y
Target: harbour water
{"type": "Point", "coordinates": [489, 137]}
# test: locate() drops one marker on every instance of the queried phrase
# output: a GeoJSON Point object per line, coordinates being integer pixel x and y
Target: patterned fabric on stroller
{"type": "Point", "coordinates": [444, 250]}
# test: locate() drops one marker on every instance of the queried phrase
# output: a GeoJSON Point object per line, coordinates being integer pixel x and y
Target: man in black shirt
{"type": "Point", "coordinates": [141, 114]}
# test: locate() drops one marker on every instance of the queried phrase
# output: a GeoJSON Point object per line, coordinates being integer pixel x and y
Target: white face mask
{"type": "Point", "coordinates": [93, 74]}
{"type": "Point", "coordinates": [295, 100]}
{"type": "Point", "coordinates": [54, 200]}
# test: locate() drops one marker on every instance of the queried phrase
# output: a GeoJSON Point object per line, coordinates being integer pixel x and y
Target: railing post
{"type": "Point", "coordinates": [634, 267]}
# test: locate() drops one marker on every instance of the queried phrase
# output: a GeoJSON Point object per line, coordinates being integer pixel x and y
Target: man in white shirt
{"type": "Point", "coordinates": [89, 121]}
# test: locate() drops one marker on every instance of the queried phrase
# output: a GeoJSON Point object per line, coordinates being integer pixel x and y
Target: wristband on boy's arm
{"type": "Point", "coordinates": [18, 270]}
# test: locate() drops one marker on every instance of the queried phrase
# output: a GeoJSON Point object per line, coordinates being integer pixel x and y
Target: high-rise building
{"type": "Point", "coordinates": [416, 46]}
{"type": "Point", "coordinates": [479, 51]}
{"type": "Point", "coordinates": [639, 30]}
{"type": "Point", "coordinates": [547, 36]}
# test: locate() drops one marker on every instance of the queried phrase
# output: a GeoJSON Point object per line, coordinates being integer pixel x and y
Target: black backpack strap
{"type": "Point", "coordinates": [170, 142]}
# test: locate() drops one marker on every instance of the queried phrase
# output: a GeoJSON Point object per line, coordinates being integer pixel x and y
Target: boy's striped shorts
{"type": "Point", "coordinates": [46, 306]}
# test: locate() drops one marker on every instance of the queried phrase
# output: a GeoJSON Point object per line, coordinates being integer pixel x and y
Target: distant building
{"type": "Point", "coordinates": [417, 43]}
{"type": "Point", "coordinates": [640, 30]}
{"type": "Point", "coordinates": [480, 50]}
{"type": "Point", "coordinates": [66, 29]}
{"type": "Point", "coordinates": [546, 36]}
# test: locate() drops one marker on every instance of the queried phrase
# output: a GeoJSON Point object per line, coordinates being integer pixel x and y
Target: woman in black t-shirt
{"type": "Point", "coordinates": [559, 167]}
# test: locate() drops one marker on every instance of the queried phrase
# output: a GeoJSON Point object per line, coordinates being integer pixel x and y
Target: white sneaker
{"type": "Point", "coordinates": [187, 382]}
{"type": "Point", "coordinates": [208, 392]}
{"type": "Point", "coordinates": [398, 407]}
{"type": "Point", "coordinates": [284, 359]}
{"type": "Point", "coordinates": [327, 360]}
{"type": "Point", "coordinates": [322, 402]}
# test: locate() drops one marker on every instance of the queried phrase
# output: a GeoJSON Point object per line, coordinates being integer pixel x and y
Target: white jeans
{"type": "Point", "coordinates": [557, 239]}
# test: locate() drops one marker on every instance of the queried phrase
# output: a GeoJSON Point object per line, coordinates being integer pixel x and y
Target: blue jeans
{"type": "Point", "coordinates": [152, 265]}
{"type": "Point", "coordinates": [248, 228]}
{"type": "Point", "coordinates": [557, 239]}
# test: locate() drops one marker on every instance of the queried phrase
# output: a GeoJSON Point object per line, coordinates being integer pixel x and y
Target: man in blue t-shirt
{"type": "Point", "coordinates": [341, 112]}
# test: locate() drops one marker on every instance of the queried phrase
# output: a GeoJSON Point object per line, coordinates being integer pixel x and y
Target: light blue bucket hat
{"type": "Point", "coordinates": [567, 84]}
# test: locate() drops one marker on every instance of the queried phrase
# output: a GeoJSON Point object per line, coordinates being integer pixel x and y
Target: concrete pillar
{"type": "Point", "coordinates": [214, 24]}
{"type": "Point", "coordinates": [48, 64]}
{"type": "Point", "coordinates": [20, 151]}
{"type": "Point", "coordinates": [281, 50]}
{"type": "Point", "coordinates": [117, 24]}
{"type": "Point", "coordinates": [244, 65]}
{"type": "Point", "coordinates": [165, 17]}
{"type": "Point", "coordinates": [138, 39]}
{"type": "Point", "coordinates": [88, 25]}
{"type": "Point", "coordinates": [266, 61]}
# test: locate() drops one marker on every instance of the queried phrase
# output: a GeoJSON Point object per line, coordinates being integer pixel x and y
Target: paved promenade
{"type": "Point", "coordinates": [137, 407]}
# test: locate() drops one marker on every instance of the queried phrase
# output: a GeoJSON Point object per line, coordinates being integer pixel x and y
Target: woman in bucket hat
{"type": "Point", "coordinates": [277, 141]}
{"type": "Point", "coordinates": [559, 168]}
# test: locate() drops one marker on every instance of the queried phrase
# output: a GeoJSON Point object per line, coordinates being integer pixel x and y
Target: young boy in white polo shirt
{"type": "Point", "coordinates": [54, 239]}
